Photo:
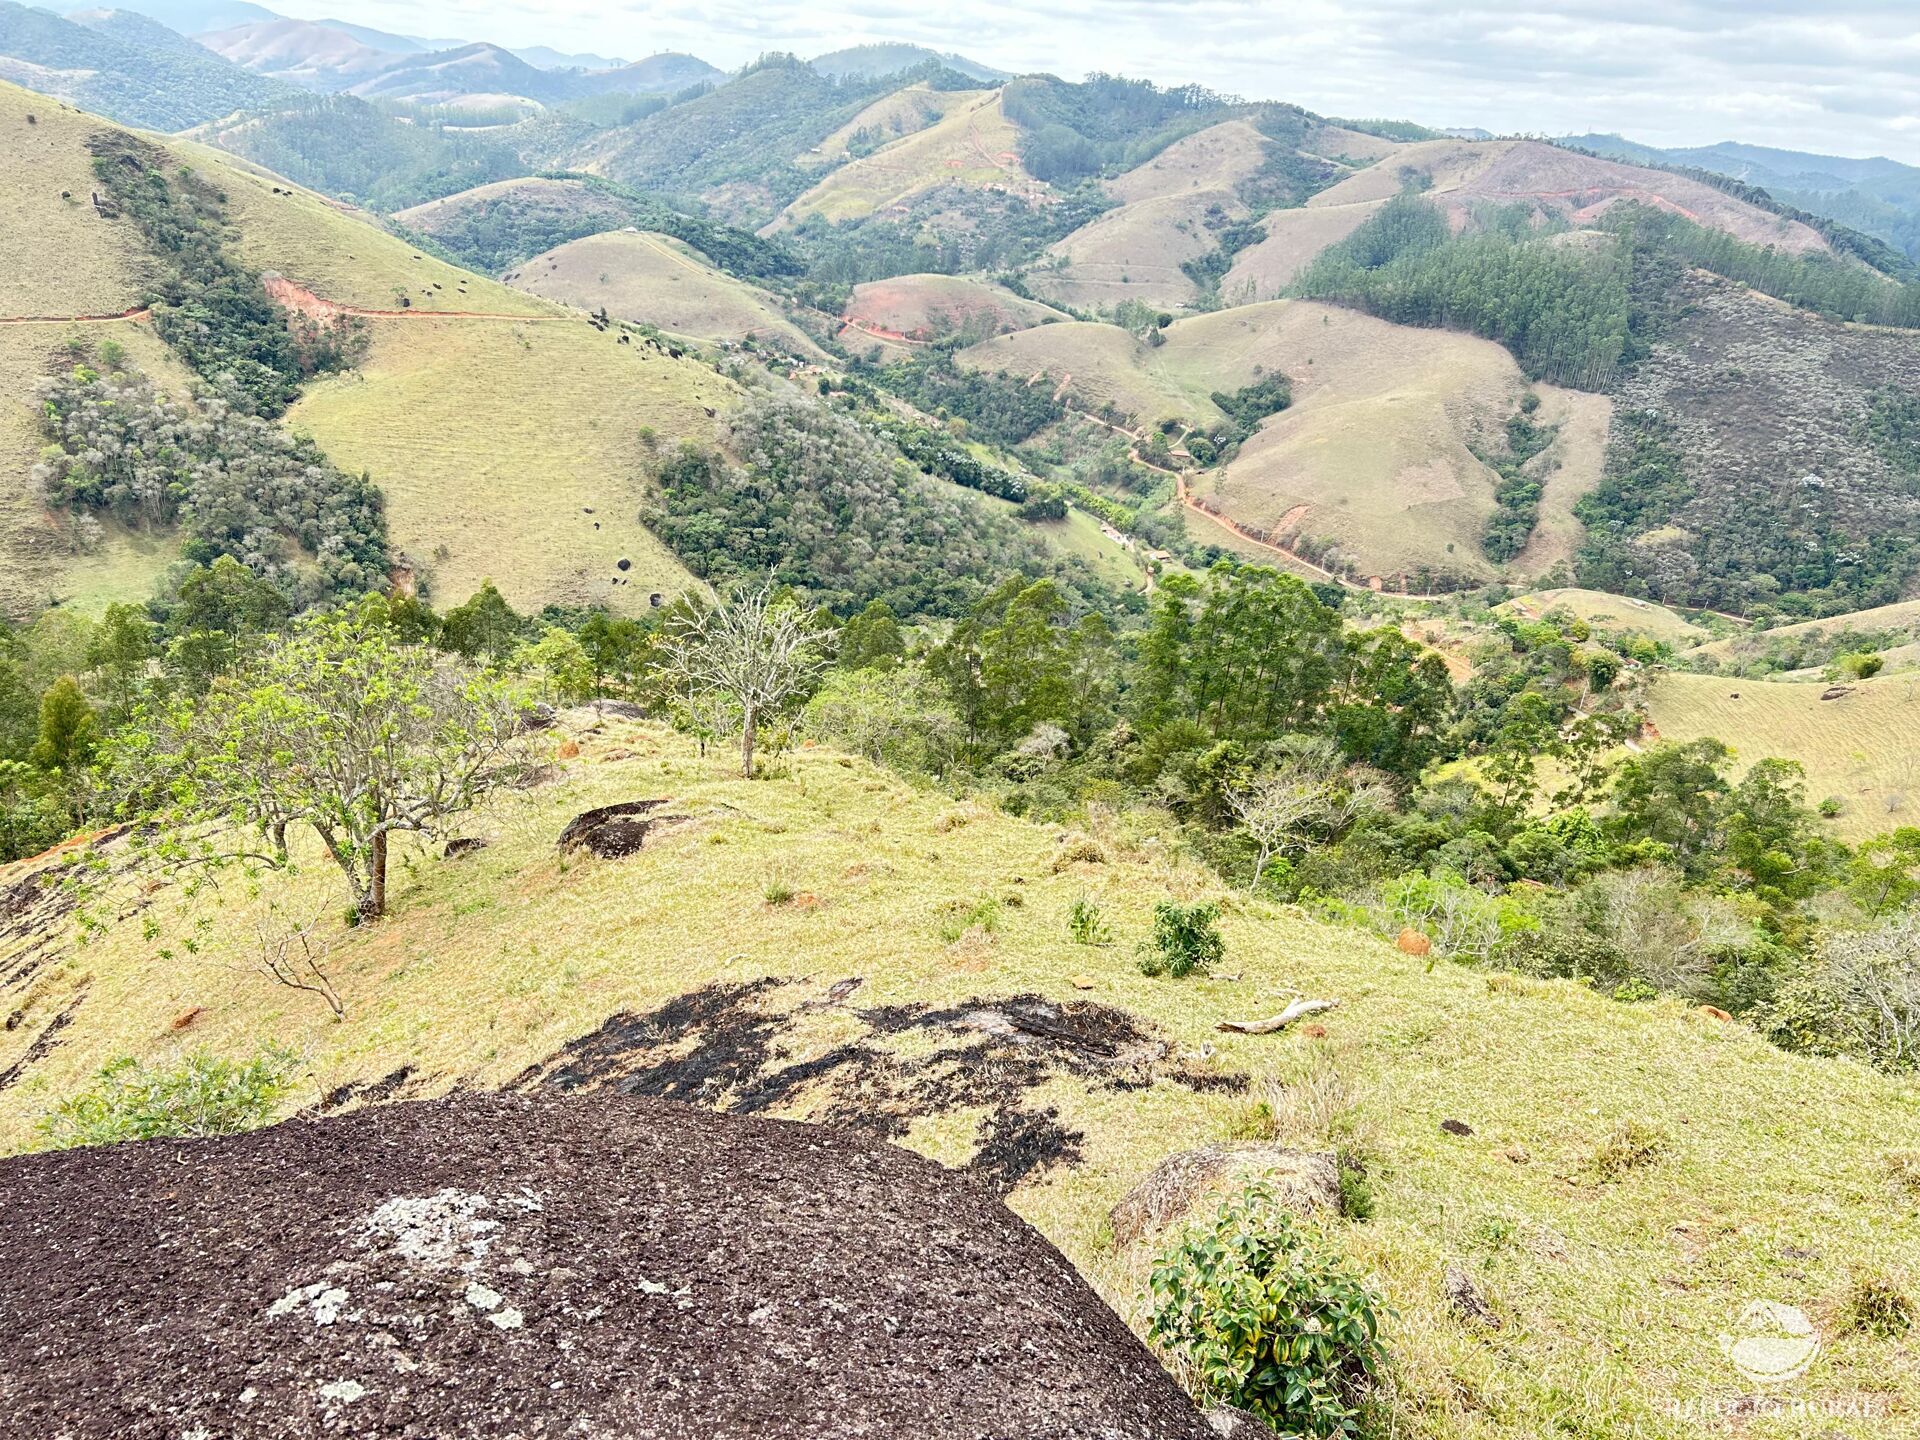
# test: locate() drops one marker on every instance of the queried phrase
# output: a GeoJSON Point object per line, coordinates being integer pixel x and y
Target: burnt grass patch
{"type": "Point", "coordinates": [726, 1046]}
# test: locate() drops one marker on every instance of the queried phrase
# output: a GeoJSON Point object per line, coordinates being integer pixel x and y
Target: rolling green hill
{"type": "Point", "coordinates": [426, 403]}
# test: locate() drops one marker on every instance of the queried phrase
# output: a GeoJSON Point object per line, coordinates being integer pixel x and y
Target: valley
{"type": "Point", "coordinates": [1267, 688]}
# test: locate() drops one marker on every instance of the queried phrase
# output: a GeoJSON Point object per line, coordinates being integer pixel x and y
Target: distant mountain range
{"type": "Point", "coordinates": [1878, 195]}
{"type": "Point", "coordinates": [867, 61]}
{"type": "Point", "coordinates": [126, 66]}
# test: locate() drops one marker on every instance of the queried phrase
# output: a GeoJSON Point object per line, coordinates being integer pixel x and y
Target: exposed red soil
{"type": "Point", "coordinates": [509, 1265]}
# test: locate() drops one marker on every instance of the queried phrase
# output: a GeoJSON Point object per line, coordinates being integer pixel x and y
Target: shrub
{"type": "Point", "coordinates": [1186, 939]}
{"type": "Point", "coordinates": [1267, 1319]}
{"type": "Point", "coordinates": [1628, 1146]}
{"type": "Point", "coordinates": [1875, 1305]}
{"type": "Point", "coordinates": [1356, 1190]}
{"type": "Point", "coordinates": [1087, 926]}
{"type": "Point", "coordinates": [207, 1095]}
{"type": "Point", "coordinates": [958, 918]}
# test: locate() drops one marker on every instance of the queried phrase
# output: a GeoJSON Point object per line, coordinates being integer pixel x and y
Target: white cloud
{"type": "Point", "coordinates": [1833, 75]}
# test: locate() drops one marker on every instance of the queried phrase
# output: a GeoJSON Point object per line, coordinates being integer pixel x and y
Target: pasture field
{"type": "Point", "coordinates": [1863, 748]}
{"type": "Point", "coordinates": [924, 307]}
{"type": "Point", "coordinates": [61, 257]}
{"type": "Point", "coordinates": [1769, 1175]}
{"type": "Point", "coordinates": [1903, 616]}
{"type": "Point", "coordinates": [973, 144]}
{"type": "Point", "coordinates": [903, 113]}
{"type": "Point", "coordinates": [511, 450]}
{"type": "Point", "coordinates": [1376, 453]}
{"type": "Point", "coordinates": [1162, 223]}
{"type": "Point", "coordinates": [1263, 271]}
{"type": "Point", "coordinates": [655, 280]}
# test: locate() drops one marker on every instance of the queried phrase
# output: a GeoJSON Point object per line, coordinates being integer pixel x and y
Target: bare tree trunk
{"type": "Point", "coordinates": [748, 732]}
{"type": "Point", "coordinates": [373, 904]}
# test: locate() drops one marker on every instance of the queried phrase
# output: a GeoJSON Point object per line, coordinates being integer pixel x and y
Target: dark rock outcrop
{"type": "Point", "coordinates": [494, 1265]}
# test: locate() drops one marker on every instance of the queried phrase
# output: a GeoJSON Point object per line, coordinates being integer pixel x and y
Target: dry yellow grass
{"type": "Point", "coordinates": [1572, 467]}
{"type": "Point", "coordinates": [1137, 250]}
{"type": "Point", "coordinates": [1448, 163]}
{"type": "Point", "coordinates": [655, 280]}
{"type": "Point", "coordinates": [1863, 748]}
{"type": "Point", "coordinates": [926, 306]}
{"type": "Point", "coordinates": [1374, 452]}
{"type": "Point", "coordinates": [904, 112]}
{"type": "Point", "coordinates": [1349, 147]}
{"type": "Point", "coordinates": [1293, 239]}
{"type": "Point", "coordinates": [1777, 1178]}
{"type": "Point", "coordinates": [973, 144]}
{"type": "Point", "coordinates": [511, 450]}
{"type": "Point", "coordinates": [1903, 615]}
{"type": "Point", "coordinates": [60, 256]}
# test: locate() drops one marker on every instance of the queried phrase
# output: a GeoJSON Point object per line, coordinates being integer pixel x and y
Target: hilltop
{"type": "Point", "coordinates": [891, 993]}
{"type": "Point", "coordinates": [416, 415]}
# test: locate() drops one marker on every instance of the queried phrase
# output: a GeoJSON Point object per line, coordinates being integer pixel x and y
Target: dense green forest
{"type": "Point", "coordinates": [343, 146]}
{"type": "Point", "coordinates": [1071, 131]}
{"type": "Point", "coordinates": [1566, 314]}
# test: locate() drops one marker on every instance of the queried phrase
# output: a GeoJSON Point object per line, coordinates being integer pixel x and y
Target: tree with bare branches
{"type": "Point", "coordinates": [751, 647]}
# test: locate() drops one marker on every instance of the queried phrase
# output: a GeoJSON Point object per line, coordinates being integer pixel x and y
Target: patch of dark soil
{"type": "Point", "coordinates": [1020, 1143]}
{"type": "Point", "coordinates": [363, 1092]}
{"type": "Point", "coordinates": [43, 1043]}
{"type": "Point", "coordinates": [612, 831]}
{"type": "Point", "coordinates": [493, 1265]}
{"type": "Point", "coordinates": [725, 1046]}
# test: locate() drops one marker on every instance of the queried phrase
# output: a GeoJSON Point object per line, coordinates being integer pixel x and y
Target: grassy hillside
{"type": "Point", "coordinates": [488, 437]}
{"type": "Point", "coordinates": [1611, 614]}
{"type": "Point", "coordinates": [1293, 238]}
{"type": "Point", "coordinates": [655, 280]}
{"type": "Point", "coordinates": [926, 307]}
{"type": "Point", "coordinates": [63, 257]}
{"type": "Point", "coordinates": [972, 144]}
{"type": "Point", "coordinates": [1769, 1175]}
{"type": "Point", "coordinates": [1169, 211]}
{"type": "Point", "coordinates": [511, 450]}
{"type": "Point", "coordinates": [1863, 747]}
{"type": "Point", "coordinates": [1900, 619]}
{"type": "Point", "coordinates": [1376, 455]}
{"type": "Point", "coordinates": [906, 111]}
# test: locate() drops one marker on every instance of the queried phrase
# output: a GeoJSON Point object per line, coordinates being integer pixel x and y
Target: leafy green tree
{"type": "Point", "coordinates": [562, 664]}
{"type": "Point", "coordinates": [219, 608]}
{"type": "Point", "coordinates": [69, 730]}
{"type": "Point", "coordinates": [1018, 659]}
{"type": "Point", "coordinates": [485, 628]}
{"type": "Point", "coordinates": [333, 726]}
{"type": "Point", "coordinates": [119, 654]}
{"type": "Point", "coordinates": [1676, 796]}
{"type": "Point", "coordinates": [872, 640]}
{"type": "Point", "coordinates": [896, 717]}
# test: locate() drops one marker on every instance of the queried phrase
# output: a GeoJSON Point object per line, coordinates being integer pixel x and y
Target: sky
{"type": "Point", "coordinates": [1840, 77]}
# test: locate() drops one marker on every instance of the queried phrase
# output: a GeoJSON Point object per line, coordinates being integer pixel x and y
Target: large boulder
{"type": "Point", "coordinates": [491, 1265]}
{"type": "Point", "coordinates": [1304, 1180]}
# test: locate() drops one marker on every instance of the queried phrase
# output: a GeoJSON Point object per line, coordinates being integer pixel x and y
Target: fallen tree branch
{"type": "Point", "coordinates": [1285, 1018]}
